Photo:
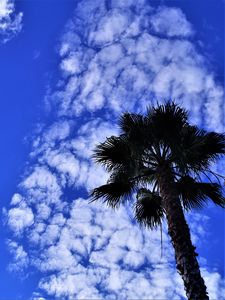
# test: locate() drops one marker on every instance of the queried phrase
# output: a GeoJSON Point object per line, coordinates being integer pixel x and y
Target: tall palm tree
{"type": "Point", "coordinates": [163, 159]}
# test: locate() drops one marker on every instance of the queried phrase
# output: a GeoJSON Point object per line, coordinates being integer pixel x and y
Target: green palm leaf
{"type": "Point", "coordinates": [148, 208]}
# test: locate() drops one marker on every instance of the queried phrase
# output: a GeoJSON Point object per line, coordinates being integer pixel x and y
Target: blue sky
{"type": "Point", "coordinates": [68, 69]}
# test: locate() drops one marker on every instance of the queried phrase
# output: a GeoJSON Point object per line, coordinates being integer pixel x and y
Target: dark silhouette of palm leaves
{"type": "Point", "coordinates": [119, 188]}
{"type": "Point", "coordinates": [113, 153]}
{"type": "Point", "coordinates": [148, 208]}
{"type": "Point", "coordinates": [197, 149]}
{"type": "Point", "coordinates": [195, 194]}
{"type": "Point", "coordinates": [145, 142]}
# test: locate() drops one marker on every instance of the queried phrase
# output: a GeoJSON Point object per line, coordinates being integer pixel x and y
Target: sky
{"type": "Point", "coordinates": [68, 69]}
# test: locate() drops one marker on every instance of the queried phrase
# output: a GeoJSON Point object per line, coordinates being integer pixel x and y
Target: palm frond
{"type": "Point", "coordinates": [113, 152]}
{"type": "Point", "coordinates": [129, 122]}
{"type": "Point", "coordinates": [136, 128]}
{"type": "Point", "coordinates": [118, 189]}
{"type": "Point", "coordinates": [195, 194]}
{"type": "Point", "coordinates": [166, 121]}
{"type": "Point", "coordinates": [214, 192]}
{"type": "Point", "coordinates": [187, 153]}
{"type": "Point", "coordinates": [148, 208]}
{"type": "Point", "coordinates": [214, 144]}
{"type": "Point", "coordinates": [163, 137]}
{"type": "Point", "coordinates": [197, 149]}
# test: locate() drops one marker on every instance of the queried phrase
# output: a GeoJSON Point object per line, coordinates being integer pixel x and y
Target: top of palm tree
{"type": "Point", "coordinates": [147, 143]}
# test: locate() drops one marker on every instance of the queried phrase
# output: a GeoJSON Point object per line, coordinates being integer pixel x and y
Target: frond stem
{"type": "Point", "coordinates": [218, 176]}
{"type": "Point", "coordinates": [207, 177]}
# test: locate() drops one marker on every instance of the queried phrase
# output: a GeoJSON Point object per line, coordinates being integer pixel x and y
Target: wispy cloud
{"type": "Point", "coordinates": [113, 58]}
{"type": "Point", "coordinates": [10, 21]}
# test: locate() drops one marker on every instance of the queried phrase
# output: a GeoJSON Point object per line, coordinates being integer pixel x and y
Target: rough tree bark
{"type": "Point", "coordinates": [185, 255]}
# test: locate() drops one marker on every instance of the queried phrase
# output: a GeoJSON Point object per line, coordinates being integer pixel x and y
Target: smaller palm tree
{"type": "Point", "coordinates": [163, 159]}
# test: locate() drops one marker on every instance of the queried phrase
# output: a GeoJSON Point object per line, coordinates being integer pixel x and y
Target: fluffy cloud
{"type": "Point", "coordinates": [114, 57]}
{"type": "Point", "coordinates": [171, 22]}
{"type": "Point", "coordinates": [20, 257]}
{"type": "Point", "coordinates": [10, 22]}
{"type": "Point", "coordinates": [129, 56]}
{"type": "Point", "coordinates": [105, 253]}
{"type": "Point", "coordinates": [21, 216]}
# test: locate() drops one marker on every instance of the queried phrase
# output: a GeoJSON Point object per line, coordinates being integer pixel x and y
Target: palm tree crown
{"type": "Point", "coordinates": [146, 143]}
{"type": "Point", "coordinates": [163, 159]}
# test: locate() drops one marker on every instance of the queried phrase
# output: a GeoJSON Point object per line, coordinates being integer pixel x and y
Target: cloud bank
{"type": "Point", "coordinates": [114, 56]}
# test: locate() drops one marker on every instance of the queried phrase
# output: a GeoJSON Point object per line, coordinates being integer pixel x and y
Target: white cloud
{"type": "Point", "coordinates": [63, 162]}
{"type": "Point", "coordinates": [41, 184]}
{"type": "Point", "coordinates": [105, 252]}
{"type": "Point", "coordinates": [10, 21]}
{"type": "Point", "coordinates": [109, 28]}
{"type": "Point", "coordinates": [68, 157]}
{"type": "Point", "coordinates": [215, 284]}
{"type": "Point", "coordinates": [171, 22]}
{"type": "Point", "coordinates": [58, 131]}
{"type": "Point", "coordinates": [71, 64]}
{"type": "Point", "coordinates": [123, 66]}
{"type": "Point", "coordinates": [111, 54]}
{"type": "Point", "coordinates": [89, 135]}
{"type": "Point", "coordinates": [16, 199]}
{"type": "Point", "coordinates": [20, 217]}
{"type": "Point", "coordinates": [108, 246]}
{"type": "Point", "coordinates": [127, 3]}
{"type": "Point", "coordinates": [20, 257]}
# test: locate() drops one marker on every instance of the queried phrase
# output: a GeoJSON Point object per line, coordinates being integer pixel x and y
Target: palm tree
{"type": "Point", "coordinates": [163, 159]}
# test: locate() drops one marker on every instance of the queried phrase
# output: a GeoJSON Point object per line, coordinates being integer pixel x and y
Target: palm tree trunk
{"type": "Point", "coordinates": [185, 255]}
